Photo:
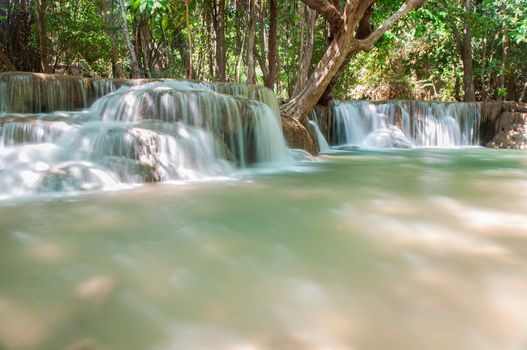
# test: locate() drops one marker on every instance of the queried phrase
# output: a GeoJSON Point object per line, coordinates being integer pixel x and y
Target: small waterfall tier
{"type": "Point", "coordinates": [322, 142]}
{"type": "Point", "coordinates": [405, 124]}
{"type": "Point", "coordinates": [139, 132]}
{"type": "Point", "coordinates": [24, 92]}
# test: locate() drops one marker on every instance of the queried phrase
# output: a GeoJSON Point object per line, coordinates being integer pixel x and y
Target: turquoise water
{"type": "Point", "coordinates": [415, 249]}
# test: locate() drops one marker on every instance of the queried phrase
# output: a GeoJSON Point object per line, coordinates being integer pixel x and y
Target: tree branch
{"type": "Point", "coordinates": [409, 5]}
{"type": "Point", "coordinates": [328, 11]}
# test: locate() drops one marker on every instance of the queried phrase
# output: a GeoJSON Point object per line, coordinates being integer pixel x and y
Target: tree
{"type": "Point", "coordinates": [136, 71]}
{"type": "Point", "coordinates": [218, 12]}
{"type": "Point", "coordinates": [42, 36]}
{"type": "Point", "coordinates": [343, 46]}
{"type": "Point", "coordinates": [251, 74]}
{"type": "Point", "coordinates": [464, 46]}
{"type": "Point", "coordinates": [307, 26]}
{"type": "Point", "coordinates": [108, 24]}
{"type": "Point", "coordinates": [272, 52]}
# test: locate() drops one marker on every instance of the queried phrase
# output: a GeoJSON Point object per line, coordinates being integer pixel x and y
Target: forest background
{"type": "Point", "coordinates": [445, 50]}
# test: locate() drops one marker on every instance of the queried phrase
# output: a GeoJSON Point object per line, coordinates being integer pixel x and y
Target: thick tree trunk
{"type": "Point", "coordinates": [272, 53]}
{"type": "Point", "coordinates": [219, 27]}
{"type": "Point", "coordinates": [306, 48]}
{"type": "Point", "coordinates": [136, 71]}
{"type": "Point", "coordinates": [251, 74]}
{"type": "Point", "coordinates": [363, 31]}
{"type": "Point", "coordinates": [7, 62]}
{"type": "Point", "coordinates": [327, 10]}
{"type": "Point", "coordinates": [338, 53]}
{"type": "Point", "coordinates": [262, 53]}
{"type": "Point", "coordinates": [144, 45]}
{"type": "Point", "coordinates": [468, 71]}
{"type": "Point", "coordinates": [117, 72]}
{"type": "Point", "coordinates": [42, 36]}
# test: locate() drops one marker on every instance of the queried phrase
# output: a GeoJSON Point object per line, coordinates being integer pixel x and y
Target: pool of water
{"type": "Point", "coordinates": [415, 249]}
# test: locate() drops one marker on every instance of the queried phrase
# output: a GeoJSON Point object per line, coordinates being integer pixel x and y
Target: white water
{"type": "Point", "coordinates": [321, 139]}
{"type": "Point", "coordinates": [155, 131]}
{"type": "Point", "coordinates": [420, 249]}
{"type": "Point", "coordinates": [406, 123]}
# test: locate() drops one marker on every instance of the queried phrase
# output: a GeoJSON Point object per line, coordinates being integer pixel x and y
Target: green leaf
{"type": "Point", "coordinates": [143, 5]}
{"type": "Point", "coordinates": [135, 4]}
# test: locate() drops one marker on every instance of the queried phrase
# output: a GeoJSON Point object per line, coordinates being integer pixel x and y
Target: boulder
{"type": "Point", "coordinates": [298, 135]}
{"type": "Point", "coordinates": [511, 131]}
{"type": "Point", "coordinates": [503, 124]}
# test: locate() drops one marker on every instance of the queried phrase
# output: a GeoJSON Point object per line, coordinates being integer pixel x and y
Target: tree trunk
{"type": "Point", "coordinates": [363, 31]}
{"type": "Point", "coordinates": [116, 66]}
{"type": "Point", "coordinates": [136, 71]}
{"type": "Point", "coordinates": [208, 14]}
{"type": "Point", "coordinates": [262, 53]}
{"type": "Point", "coordinates": [306, 50]}
{"type": "Point", "coordinates": [219, 27]}
{"type": "Point", "coordinates": [503, 65]}
{"type": "Point", "coordinates": [272, 53]}
{"type": "Point", "coordinates": [190, 73]}
{"type": "Point", "coordinates": [7, 62]}
{"type": "Point", "coordinates": [482, 80]}
{"type": "Point", "coordinates": [251, 74]}
{"type": "Point", "coordinates": [42, 36]}
{"type": "Point", "coordinates": [337, 53]}
{"type": "Point", "coordinates": [144, 45]}
{"type": "Point", "coordinates": [468, 71]}
{"type": "Point", "coordinates": [181, 46]}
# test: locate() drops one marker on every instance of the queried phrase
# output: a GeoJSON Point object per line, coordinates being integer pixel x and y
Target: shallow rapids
{"type": "Point", "coordinates": [410, 249]}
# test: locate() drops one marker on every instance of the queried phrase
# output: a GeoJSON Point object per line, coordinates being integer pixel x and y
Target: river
{"type": "Point", "coordinates": [410, 249]}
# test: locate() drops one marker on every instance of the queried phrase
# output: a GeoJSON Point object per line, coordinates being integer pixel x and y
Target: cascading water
{"type": "Point", "coordinates": [322, 142]}
{"type": "Point", "coordinates": [406, 123]}
{"type": "Point", "coordinates": [152, 131]}
{"type": "Point", "coordinates": [37, 93]}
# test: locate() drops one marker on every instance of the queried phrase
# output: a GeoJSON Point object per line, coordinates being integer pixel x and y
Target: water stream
{"type": "Point", "coordinates": [239, 247]}
{"type": "Point", "coordinates": [410, 249]}
{"type": "Point", "coordinates": [406, 124]}
{"type": "Point", "coordinates": [139, 132]}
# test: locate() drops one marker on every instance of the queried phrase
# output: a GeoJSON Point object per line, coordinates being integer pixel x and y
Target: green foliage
{"type": "Point", "coordinates": [78, 40]}
{"type": "Point", "coordinates": [417, 58]}
{"type": "Point", "coordinates": [420, 53]}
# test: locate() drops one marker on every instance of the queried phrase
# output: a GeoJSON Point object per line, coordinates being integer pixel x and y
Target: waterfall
{"type": "Point", "coordinates": [37, 93]}
{"type": "Point", "coordinates": [406, 123]}
{"type": "Point", "coordinates": [134, 132]}
{"type": "Point", "coordinates": [322, 142]}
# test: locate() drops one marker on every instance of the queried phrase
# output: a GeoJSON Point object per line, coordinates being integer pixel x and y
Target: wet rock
{"type": "Point", "coordinates": [299, 136]}
{"type": "Point", "coordinates": [503, 124]}
{"type": "Point", "coordinates": [512, 137]}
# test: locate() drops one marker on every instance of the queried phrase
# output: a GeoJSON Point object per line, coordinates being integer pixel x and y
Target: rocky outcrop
{"type": "Point", "coordinates": [326, 120]}
{"type": "Point", "coordinates": [298, 135]}
{"type": "Point", "coordinates": [503, 124]}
